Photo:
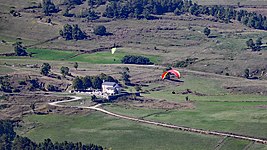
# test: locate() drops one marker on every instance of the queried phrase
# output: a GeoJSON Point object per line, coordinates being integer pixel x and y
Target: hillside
{"type": "Point", "coordinates": [223, 84]}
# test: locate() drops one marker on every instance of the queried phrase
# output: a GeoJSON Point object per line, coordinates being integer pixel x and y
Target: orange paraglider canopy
{"type": "Point", "coordinates": [175, 72]}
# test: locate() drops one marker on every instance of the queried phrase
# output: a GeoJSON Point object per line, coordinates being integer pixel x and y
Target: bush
{"type": "Point", "coordinates": [52, 88]}
{"type": "Point", "coordinates": [22, 82]}
{"type": "Point", "coordinates": [16, 90]}
{"type": "Point", "coordinates": [100, 30]}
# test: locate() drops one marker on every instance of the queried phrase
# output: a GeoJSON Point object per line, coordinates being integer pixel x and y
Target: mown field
{"type": "Point", "coordinates": [72, 56]}
{"type": "Point", "coordinates": [119, 134]}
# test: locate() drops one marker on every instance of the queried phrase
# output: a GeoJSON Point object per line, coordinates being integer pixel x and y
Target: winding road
{"type": "Point", "coordinates": [182, 128]}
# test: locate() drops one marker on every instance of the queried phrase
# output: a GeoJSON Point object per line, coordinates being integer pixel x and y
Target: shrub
{"type": "Point", "coordinates": [100, 30]}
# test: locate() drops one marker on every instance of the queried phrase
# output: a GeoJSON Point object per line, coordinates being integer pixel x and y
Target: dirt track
{"type": "Point", "coordinates": [182, 128]}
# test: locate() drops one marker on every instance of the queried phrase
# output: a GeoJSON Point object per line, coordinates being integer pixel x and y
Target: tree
{"type": "Point", "coordinates": [87, 82]}
{"type": "Point", "coordinates": [207, 31]}
{"type": "Point", "coordinates": [125, 78]}
{"type": "Point", "coordinates": [146, 14]}
{"type": "Point", "coordinates": [96, 82]}
{"type": "Point", "coordinates": [66, 32]}
{"type": "Point", "coordinates": [177, 12]}
{"type": "Point", "coordinates": [73, 2]}
{"type": "Point", "coordinates": [251, 44]}
{"type": "Point", "coordinates": [100, 30]}
{"type": "Point", "coordinates": [72, 32]}
{"type": "Point", "coordinates": [49, 7]}
{"type": "Point", "coordinates": [52, 88]}
{"type": "Point", "coordinates": [259, 41]}
{"type": "Point", "coordinates": [77, 33]}
{"type": "Point", "coordinates": [75, 65]}
{"type": "Point", "coordinates": [77, 83]}
{"type": "Point", "coordinates": [19, 49]}
{"type": "Point", "coordinates": [5, 143]}
{"type": "Point", "coordinates": [138, 88]}
{"type": "Point", "coordinates": [33, 107]}
{"type": "Point", "coordinates": [126, 69]}
{"type": "Point", "coordinates": [45, 69]}
{"type": "Point", "coordinates": [64, 71]}
{"type": "Point", "coordinates": [90, 14]}
{"type": "Point", "coordinates": [246, 73]}
{"type": "Point", "coordinates": [93, 98]}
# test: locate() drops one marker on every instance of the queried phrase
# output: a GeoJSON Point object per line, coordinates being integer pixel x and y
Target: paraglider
{"type": "Point", "coordinates": [113, 50]}
{"type": "Point", "coordinates": [175, 72]}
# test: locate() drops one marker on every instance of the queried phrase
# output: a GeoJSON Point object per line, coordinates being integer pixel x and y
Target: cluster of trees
{"type": "Point", "coordinates": [254, 46]}
{"type": "Point", "coordinates": [52, 88]}
{"type": "Point", "coordinates": [91, 3]}
{"type": "Point", "coordinates": [90, 14]}
{"type": "Point", "coordinates": [72, 32]}
{"type": "Point", "coordinates": [250, 19]}
{"type": "Point", "coordinates": [73, 2]}
{"type": "Point", "coordinates": [65, 71]}
{"type": "Point", "coordinates": [45, 69]}
{"type": "Point", "coordinates": [100, 30]}
{"type": "Point", "coordinates": [19, 49]}
{"type": "Point", "coordinates": [5, 85]}
{"type": "Point", "coordinates": [125, 75]}
{"type": "Point", "coordinates": [95, 82]}
{"type": "Point", "coordinates": [130, 59]}
{"type": "Point", "coordinates": [144, 9]}
{"type": "Point", "coordinates": [10, 141]}
{"type": "Point", "coordinates": [49, 7]}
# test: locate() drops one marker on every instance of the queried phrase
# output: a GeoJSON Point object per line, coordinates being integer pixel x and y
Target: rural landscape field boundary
{"type": "Point", "coordinates": [182, 128]}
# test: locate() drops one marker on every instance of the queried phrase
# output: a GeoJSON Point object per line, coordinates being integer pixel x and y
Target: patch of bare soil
{"type": "Point", "coordinates": [15, 106]}
{"type": "Point", "coordinates": [261, 106]}
{"type": "Point", "coordinates": [248, 90]}
{"type": "Point", "coordinates": [154, 104]}
{"type": "Point", "coordinates": [24, 82]}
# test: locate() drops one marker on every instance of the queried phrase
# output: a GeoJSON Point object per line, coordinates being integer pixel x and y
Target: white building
{"type": "Point", "coordinates": [110, 88]}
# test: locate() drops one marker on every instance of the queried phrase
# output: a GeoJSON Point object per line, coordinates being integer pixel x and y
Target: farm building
{"type": "Point", "coordinates": [111, 88]}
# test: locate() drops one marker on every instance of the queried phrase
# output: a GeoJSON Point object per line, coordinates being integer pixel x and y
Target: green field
{"type": "Point", "coordinates": [108, 58]}
{"type": "Point", "coordinates": [94, 58]}
{"type": "Point", "coordinates": [115, 133]}
{"type": "Point", "coordinates": [46, 54]}
{"type": "Point", "coordinates": [247, 118]}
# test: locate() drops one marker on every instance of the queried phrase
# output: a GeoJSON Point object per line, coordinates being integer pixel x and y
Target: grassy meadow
{"type": "Point", "coordinates": [115, 133]}
{"type": "Point", "coordinates": [72, 56]}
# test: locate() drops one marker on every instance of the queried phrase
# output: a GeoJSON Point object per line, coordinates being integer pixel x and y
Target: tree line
{"type": "Point", "coordinates": [72, 32]}
{"type": "Point", "coordinates": [95, 82]}
{"type": "Point", "coordinates": [131, 59]}
{"type": "Point", "coordinates": [10, 141]}
{"type": "Point", "coordinates": [145, 8]}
